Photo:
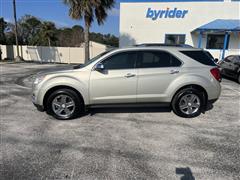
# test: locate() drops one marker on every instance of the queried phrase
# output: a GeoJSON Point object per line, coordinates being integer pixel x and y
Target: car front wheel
{"type": "Point", "coordinates": [64, 104]}
{"type": "Point", "coordinates": [188, 103]}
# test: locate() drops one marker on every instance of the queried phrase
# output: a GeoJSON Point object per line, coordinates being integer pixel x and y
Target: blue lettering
{"type": "Point", "coordinates": [156, 14]}
{"type": "Point", "coordinates": [149, 13]}
{"type": "Point", "coordinates": [184, 13]}
{"type": "Point", "coordinates": [168, 13]}
{"type": "Point", "coordinates": [172, 13]}
{"type": "Point", "coordinates": [178, 14]}
{"type": "Point", "coordinates": [162, 13]}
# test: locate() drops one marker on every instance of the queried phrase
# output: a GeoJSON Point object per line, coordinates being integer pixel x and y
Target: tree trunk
{"type": "Point", "coordinates": [49, 42]}
{"type": "Point", "coordinates": [86, 40]}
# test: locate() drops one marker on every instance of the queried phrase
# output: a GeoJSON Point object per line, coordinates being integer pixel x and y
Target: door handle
{"type": "Point", "coordinates": [130, 75]}
{"type": "Point", "coordinates": [174, 71]}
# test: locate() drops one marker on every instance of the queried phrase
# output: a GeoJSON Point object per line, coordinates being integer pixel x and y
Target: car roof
{"type": "Point", "coordinates": [158, 48]}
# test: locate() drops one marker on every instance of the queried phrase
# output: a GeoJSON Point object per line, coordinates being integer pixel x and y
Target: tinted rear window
{"type": "Point", "coordinates": [203, 57]}
{"type": "Point", "coordinates": [157, 59]}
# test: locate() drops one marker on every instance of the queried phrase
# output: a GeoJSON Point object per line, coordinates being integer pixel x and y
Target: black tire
{"type": "Point", "coordinates": [79, 105]}
{"type": "Point", "coordinates": [238, 78]}
{"type": "Point", "coordinates": [184, 92]}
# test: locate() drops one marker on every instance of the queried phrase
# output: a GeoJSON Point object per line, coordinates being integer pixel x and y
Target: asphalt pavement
{"type": "Point", "coordinates": [115, 144]}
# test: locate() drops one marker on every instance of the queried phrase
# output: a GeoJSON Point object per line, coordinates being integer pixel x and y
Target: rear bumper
{"type": "Point", "coordinates": [209, 105]}
{"type": "Point", "coordinates": [212, 101]}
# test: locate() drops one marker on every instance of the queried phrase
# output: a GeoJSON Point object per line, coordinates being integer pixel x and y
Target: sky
{"type": "Point", "coordinates": [57, 12]}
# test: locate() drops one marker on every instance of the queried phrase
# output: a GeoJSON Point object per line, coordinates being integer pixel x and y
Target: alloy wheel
{"type": "Point", "coordinates": [63, 106]}
{"type": "Point", "coordinates": [189, 104]}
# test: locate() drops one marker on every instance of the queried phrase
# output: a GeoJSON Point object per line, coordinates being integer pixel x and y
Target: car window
{"type": "Point", "coordinates": [175, 62]}
{"type": "Point", "coordinates": [157, 59]}
{"type": "Point", "coordinates": [94, 59]}
{"type": "Point", "coordinates": [202, 57]}
{"type": "Point", "coordinates": [236, 59]}
{"type": "Point", "coordinates": [232, 59]}
{"type": "Point", "coordinates": [227, 59]}
{"type": "Point", "coordinates": [125, 60]}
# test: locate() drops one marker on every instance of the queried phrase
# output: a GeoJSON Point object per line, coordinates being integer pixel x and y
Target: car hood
{"type": "Point", "coordinates": [55, 70]}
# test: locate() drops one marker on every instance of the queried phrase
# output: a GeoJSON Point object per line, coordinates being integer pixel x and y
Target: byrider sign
{"type": "Point", "coordinates": [168, 13]}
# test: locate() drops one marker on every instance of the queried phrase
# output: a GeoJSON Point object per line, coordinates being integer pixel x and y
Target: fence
{"type": "Point", "coordinates": [52, 54]}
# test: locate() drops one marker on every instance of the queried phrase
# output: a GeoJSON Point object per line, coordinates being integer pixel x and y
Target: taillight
{"type": "Point", "coordinates": [216, 74]}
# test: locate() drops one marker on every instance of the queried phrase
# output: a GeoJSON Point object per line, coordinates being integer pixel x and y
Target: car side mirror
{"type": "Point", "coordinates": [216, 60]}
{"type": "Point", "coordinates": [99, 67]}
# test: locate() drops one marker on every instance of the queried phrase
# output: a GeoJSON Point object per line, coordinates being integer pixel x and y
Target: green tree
{"type": "Point", "coordinates": [48, 33]}
{"type": "Point", "coordinates": [87, 10]}
{"type": "Point", "coordinates": [29, 27]}
{"type": "Point", "coordinates": [3, 26]}
{"type": "Point", "coordinates": [77, 35]}
{"type": "Point", "coordinates": [107, 39]}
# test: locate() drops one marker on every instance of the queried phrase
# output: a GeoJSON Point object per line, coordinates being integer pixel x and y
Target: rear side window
{"type": "Point", "coordinates": [200, 56]}
{"type": "Point", "coordinates": [125, 60]}
{"type": "Point", "coordinates": [157, 59]}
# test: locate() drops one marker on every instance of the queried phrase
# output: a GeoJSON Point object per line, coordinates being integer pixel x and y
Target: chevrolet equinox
{"type": "Point", "coordinates": [185, 79]}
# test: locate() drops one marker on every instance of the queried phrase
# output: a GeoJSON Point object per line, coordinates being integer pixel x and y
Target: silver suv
{"type": "Point", "coordinates": [185, 79]}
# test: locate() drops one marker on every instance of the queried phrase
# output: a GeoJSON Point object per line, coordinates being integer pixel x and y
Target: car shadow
{"type": "Point", "coordinates": [186, 173]}
{"type": "Point", "coordinates": [94, 111]}
{"type": "Point", "coordinates": [230, 79]}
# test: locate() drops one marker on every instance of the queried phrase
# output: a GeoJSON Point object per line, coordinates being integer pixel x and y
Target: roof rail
{"type": "Point", "coordinates": [162, 44]}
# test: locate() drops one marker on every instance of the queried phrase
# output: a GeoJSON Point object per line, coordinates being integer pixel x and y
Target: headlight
{"type": "Point", "coordinates": [38, 80]}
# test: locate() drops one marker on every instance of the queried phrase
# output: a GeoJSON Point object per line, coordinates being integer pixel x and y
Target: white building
{"type": "Point", "coordinates": [212, 25]}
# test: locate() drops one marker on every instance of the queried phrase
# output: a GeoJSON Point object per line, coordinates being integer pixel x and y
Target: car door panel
{"type": "Point", "coordinates": [153, 81]}
{"type": "Point", "coordinates": [113, 86]}
{"type": "Point", "coordinates": [117, 83]}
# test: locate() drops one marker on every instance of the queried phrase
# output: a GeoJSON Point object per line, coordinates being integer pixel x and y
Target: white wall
{"type": "Point", "coordinates": [135, 28]}
{"type": "Point", "coordinates": [52, 54]}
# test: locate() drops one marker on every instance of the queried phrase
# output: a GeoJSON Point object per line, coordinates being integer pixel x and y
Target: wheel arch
{"type": "Point", "coordinates": [194, 86]}
{"type": "Point", "coordinates": [51, 90]}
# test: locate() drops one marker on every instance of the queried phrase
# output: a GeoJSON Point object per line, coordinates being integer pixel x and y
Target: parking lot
{"type": "Point", "coordinates": [115, 144]}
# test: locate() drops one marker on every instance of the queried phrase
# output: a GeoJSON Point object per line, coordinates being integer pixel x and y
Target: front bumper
{"type": "Point", "coordinates": [34, 101]}
{"type": "Point", "coordinates": [39, 107]}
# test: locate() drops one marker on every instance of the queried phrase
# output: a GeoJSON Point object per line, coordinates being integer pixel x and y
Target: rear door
{"type": "Point", "coordinates": [156, 71]}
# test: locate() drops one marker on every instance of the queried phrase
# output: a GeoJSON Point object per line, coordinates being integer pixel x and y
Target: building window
{"type": "Point", "coordinates": [216, 41]}
{"type": "Point", "coordinates": [175, 38]}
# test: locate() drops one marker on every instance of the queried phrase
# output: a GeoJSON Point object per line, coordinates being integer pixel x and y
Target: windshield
{"type": "Point", "coordinates": [96, 58]}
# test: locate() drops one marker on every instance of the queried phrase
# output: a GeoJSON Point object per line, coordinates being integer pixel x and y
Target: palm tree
{"type": "Point", "coordinates": [48, 32]}
{"type": "Point", "coordinates": [87, 10]}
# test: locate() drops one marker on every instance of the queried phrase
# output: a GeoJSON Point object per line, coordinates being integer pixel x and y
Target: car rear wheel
{"type": "Point", "coordinates": [188, 103]}
{"type": "Point", "coordinates": [64, 104]}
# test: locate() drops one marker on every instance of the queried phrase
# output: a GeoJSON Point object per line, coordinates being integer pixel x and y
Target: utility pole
{"type": "Point", "coordinates": [18, 58]}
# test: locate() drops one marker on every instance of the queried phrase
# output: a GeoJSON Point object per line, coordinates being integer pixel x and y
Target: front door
{"type": "Point", "coordinates": [117, 83]}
